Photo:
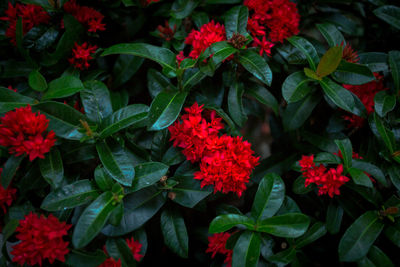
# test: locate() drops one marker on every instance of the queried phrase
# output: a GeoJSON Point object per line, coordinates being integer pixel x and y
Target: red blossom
{"type": "Point", "coordinates": [41, 238]}
{"type": "Point", "coordinates": [11, 88]}
{"type": "Point", "coordinates": [166, 32]}
{"type": "Point", "coordinates": [88, 16]}
{"type": "Point", "coordinates": [23, 131]}
{"type": "Point", "coordinates": [207, 35]}
{"type": "Point", "coordinates": [265, 46]}
{"type": "Point", "coordinates": [111, 262]}
{"type": "Point", "coordinates": [180, 57]}
{"type": "Point", "coordinates": [81, 55]}
{"type": "Point", "coordinates": [32, 15]}
{"type": "Point", "coordinates": [217, 244]}
{"type": "Point", "coordinates": [6, 195]}
{"type": "Point", "coordinates": [255, 28]}
{"type": "Point", "coordinates": [355, 156]}
{"type": "Point", "coordinates": [349, 54]}
{"type": "Point", "coordinates": [135, 247]}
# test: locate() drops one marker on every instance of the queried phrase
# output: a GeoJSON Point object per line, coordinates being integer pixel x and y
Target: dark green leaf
{"type": "Point", "coordinates": [297, 113]}
{"type": "Point", "coordinates": [330, 61]}
{"type": "Point", "coordinates": [236, 21]}
{"type": "Point", "coordinates": [247, 250]}
{"type": "Point", "coordinates": [235, 105]}
{"type": "Point", "coordinates": [79, 258]}
{"type": "Point", "coordinates": [182, 8]}
{"type": "Point", "coordinates": [96, 101]}
{"type": "Point", "coordinates": [221, 51]}
{"type": "Point", "coordinates": [307, 49]}
{"type": "Point", "coordinates": [7, 95]}
{"type": "Point", "coordinates": [359, 237]}
{"type": "Point", "coordinates": [384, 103]}
{"type": "Point", "coordinates": [353, 73]}
{"type": "Point", "coordinates": [284, 257]}
{"type": "Point", "coordinates": [296, 87]}
{"type": "Point", "coordinates": [157, 82]}
{"type": "Point", "coordinates": [147, 174]}
{"type": "Point", "coordinates": [173, 156]}
{"type": "Point", "coordinates": [37, 81]}
{"type": "Point", "coordinates": [394, 62]}
{"type": "Point", "coordinates": [331, 34]}
{"type": "Point", "coordinates": [63, 87]}
{"type": "Point", "coordinates": [124, 68]}
{"type": "Point", "coordinates": [393, 234]}
{"type": "Point", "coordinates": [389, 14]}
{"type": "Point", "coordinates": [256, 65]}
{"type": "Point", "coordinates": [165, 108]}
{"type": "Point", "coordinates": [263, 96]}
{"type": "Point", "coordinates": [70, 196]}
{"type": "Point", "coordinates": [188, 191]}
{"type": "Point", "coordinates": [346, 149]}
{"type": "Point", "coordinates": [360, 178]}
{"type": "Point", "coordinates": [7, 231]}
{"type": "Point", "coordinates": [225, 222]}
{"type": "Point", "coordinates": [174, 231]}
{"type": "Point", "coordinates": [52, 168]}
{"type": "Point", "coordinates": [386, 135]}
{"type": "Point", "coordinates": [191, 77]}
{"type": "Point", "coordinates": [379, 258]}
{"type": "Point", "coordinates": [375, 61]}
{"type": "Point", "coordinates": [299, 186]}
{"type": "Point", "coordinates": [10, 169]}
{"type": "Point", "coordinates": [103, 180]}
{"type": "Point", "coordinates": [334, 217]}
{"type": "Point", "coordinates": [118, 249]}
{"type": "Point", "coordinates": [269, 197]}
{"type": "Point", "coordinates": [92, 220]}
{"type": "Point", "coordinates": [316, 231]}
{"type": "Point", "coordinates": [370, 169]}
{"type": "Point", "coordinates": [394, 174]}
{"type": "Point", "coordinates": [288, 225]}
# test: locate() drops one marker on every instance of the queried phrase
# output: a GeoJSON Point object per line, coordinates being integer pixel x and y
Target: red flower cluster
{"type": "Point", "coordinates": [225, 162]}
{"type": "Point", "coordinates": [349, 54]}
{"type": "Point", "coordinates": [328, 180]}
{"type": "Point", "coordinates": [41, 238]}
{"type": "Point", "coordinates": [135, 247]}
{"type": "Point", "coordinates": [23, 132]}
{"type": "Point", "coordinates": [166, 32]}
{"type": "Point", "coordinates": [207, 35]}
{"type": "Point", "coordinates": [217, 244]}
{"type": "Point", "coordinates": [88, 16]}
{"type": "Point", "coordinates": [274, 20]}
{"type": "Point", "coordinates": [31, 15]}
{"type": "Point", "coordinates": [81, 55]}
{"type": "Point", "coordinates": [366, 93]}
{"type": "Point", "coordinates": [11, 88]}
{"type": "Point", "coordinates": [6, 195]}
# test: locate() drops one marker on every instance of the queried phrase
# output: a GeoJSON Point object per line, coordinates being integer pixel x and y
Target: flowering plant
{"type": "Point", "coordinates": [216, 132]}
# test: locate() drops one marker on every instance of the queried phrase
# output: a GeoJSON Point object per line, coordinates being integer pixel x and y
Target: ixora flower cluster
{"type": "Point", "coordinates": [273, 21]}
{"type": "Point", "coordinates": [225, 161]}
{"type": "Point", "coordinates": [135, 248]}
{"type": "Point", "coordinates": [217, 244]}
{"type": "Point", "coordinates": [328, 180]}
{"type": "Point", "coordinates": [87, 16]}
{"type": "Point", "coordinates": [23, 132]}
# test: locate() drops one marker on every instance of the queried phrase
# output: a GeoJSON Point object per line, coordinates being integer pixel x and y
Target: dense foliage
{"type": "Point", "coordinates": [213, 132]}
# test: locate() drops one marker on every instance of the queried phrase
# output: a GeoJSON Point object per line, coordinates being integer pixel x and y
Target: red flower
{"type": "Point", "coordinates": [41, 238]}
{"type": "Point", "coordinates": [349, 54]}
{"type": "Point", "coordinates": [23, 132]}
{"type": "Point", "coordinates": [366, 93]}
{"type": "Point", "coordinates": [11, 88]}
{"type": "Point", "coordinates": [135, 247]}
{"type": "Point", "coordinates": [166, 32]}
{"type": "Point", "coordinates": [306, 162]}
{"type": "Point", "coordinates": [356, 156]}
{"type": "Point", "coordinates": [255, 28]}
{"type": "Point", "coordinates": [81, 55]}
{"type": "Point", "coordinates": [217, 244]}
{"type": "Point", "coordinates": [180, 57]}
{"type": "Point", "coordinates": [88, 16]}
{"type": "Point", "coordinates": [207, 35]}
{"type": "Point", "coordinates": [31, 15]}
{"type": "Point", "coordinates": [265, 46]}
{"type": "Point", "coordinates": [6, 195]}
{"type": "Point", "coordinates": [111, 262]}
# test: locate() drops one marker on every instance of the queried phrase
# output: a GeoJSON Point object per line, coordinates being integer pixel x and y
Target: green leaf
{"type": "Point", "coordinates": [221, 51]}
{"type": "Point", "coordinates": [311, 74]}
{"type": "Point", "coordinates": [393, 234]}
{"type": "Point", "coordinates": [389, 14]}
{"type": "Point", "coordinates": [330, 61]}
{"type": "Point", "coordinates": [394, 174]}
{"type": "Point", "coordinates": [394, 62]}
{"type": "Point", "coordinates": [236, 21]}
{"type": "Point", "coordinates": [289, 225]}
{"type": "Point", "coordinates": [37, 81]}
{"type": "Point", "coordinates": [79, 258]}
{"type": "Point", "coordinates": [173, 156]}
{"type": "Point", "coordinates": [70, 196]}
{"type": "Point", "coordinates": [7, 231]}
{"type": "Point", "coordinates": [147, 174]}
{"type": "Point", "coordinates": [64, 120]}
{"type": "Point", "coordinates": [63, 87]}
{"type": "Point", "coordinates": [10, 169]}
{"type": "Point", "coordinates": [52, 168]}
{"type": "Point", "coordinates": [188, 191]}
{"type": "Point", "coordinates": [235, 105]}
{"type": "Point", "coordinates": [360, 178]}
{"type": "Point", "coordinates": [386, 135]}
{"type": "Point", "coordinates": [331, 34]}
{"type": "Point", "coordinates": [116, 162]}
{"type": "Point", "coordinates": [247, 250]}
{"type": "Point", "coordinates": [297, 113]}
{"type": "Point", "coordinates": [307, 49]}
{"type": "Point", "coordinates": [316, 231]}
{"type": "Point", "coordinates": [379, 258]}
{"type": "Point", "coordinates": [103, 180]}
{"type": "Point", "coordinates": [375, 61]}
{"type": "Point", "coordinates": [156, 82]}
{"type": "Point", "coordinates": [299, 186]}
{"type": "Point", "coordinates": [130, 116]}
{"type": "Point", "coordinates": [163, 56]}
{"type": "Point", "coordinates": [182, 8]}
{"type": "Point", "coordinates": [370, 169]}
{"type": "Point", "coordinates": [96, 101]}
{"type": "Point", "coordinates": [165, 109]}
{"type": "Point", "coordinates": [384, 103]}
{"type": "Point", "coordinates": [269, 197]}
{"type": "Point", "coordinates": [284, 257]}
{"type": "Point", "coordinates": [296, 87]}
{"type": "Point", "coordinates": [346, 149]}
{"type": "Point", "coordinates": [334, 217]}
{"type": "Point", "coordinates": [124, 68]}
{"type": "Point", "coordinates": [191, 77]}
{"type": "Point", "coordinates": [256, 65]}
{"type": "Point", "coordinates": [139, 207]}
{"type": "Point", "coordinates": [119, 249]}
{"type": "Point", "coordinates": [262, 95]}
{"type": "Point", "coordinates": [7, 95]}
{"type": "Point", "coordinates": [92, 220]}
{"type": "Point", "coordinates": [359, 237]}
{"type": "Point", "coordinates": [353, 73]}
{"type": "Point", "coordinates": [225, 222]}
{"type": "Point", "coordinates": [174, 232]}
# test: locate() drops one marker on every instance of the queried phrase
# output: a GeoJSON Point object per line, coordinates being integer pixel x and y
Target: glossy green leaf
{"type": "Point", "coordinates": [307, 49]}
{"type": "Point", "coordinates": [353, 73]}
{"type": "Point", "coordinates": [359, 237]}
{"type": "Point", "coordinates": [92, 220]}
{"type": "Point", "coordinates": [188, 191]}
{"type": "Point", "coordinates": [330, 61]}
{"type": "Point", "coordinates": [360, 178]}
{"type": "Point", "coordinates": [165, 108]}
{"type": "Point", "coordinates": [79, 258]}
{"type": "Point", "coordinates": [340, 96]}
{"type": "Point", "coordinates": [316, 231]}
{"type": "Point", "coordinates": [124, 68]}
{"type": "Point", "coordinates": [247, 250]}
{"type": "Point", "coordinates": [311, 74]}
{"type": "Point", "coordinates": [331, 34]}
{"type": "Point", "coordinates": [163, 56]}
{"type": "Point", "coordinates": [119, 249]}
{"type": "Point", "coordinates": [297, 113]}
{"type": "Point", "coordinates": [221, 51]}
{"type": "Point", "coordinates": [52, 168]}
{"type": "Point", "coordinates": [386, 135]}
{"type": "Point", "coordinates": [116, 162]}
{"type": "Point", "coordinates": [235, 105]}
{"type": "Point", "coordinates": [393, 234]}
{"type": "Point", "coordinates": [156, 82]}
{"type": "Point", "coordinates": [174, 231]}
{"type": "Point", "coordinates": [63, 87]}
{"type": "Point", "coordinates": [10, 169]}
{"type": "Point", "coordinates": [375, 61]}
{"type": "Point", "coordinates": [384, 103]}
{"type": "Point", "coordinates": [36, 81]}
{"type": "Point", "coordinates": [394, 174]}
{"type": "Point", "coordinates": [334, 217]}
{"type": "Point", "coordinates": [225, 222]}
{"type": "Point", "coordinates": [147, 174]}
{"type": "Point", "coordinates": [284, 257]}
{"type": "Point", "coordinates": [96, 101]}
{"type": "Point", "coordinates": [371, 169]}
{"type": "Point", "coordinates": [379, 258]}
{"type": "Point", "coordinates": [236, 21]}
{"type": "Point", "coordinates": [296, 87]}
{"type": "Point", "coordinates": [256, 65]}
{"type": "Point", "coordinates": [262, 95]}
{"type": "Point", "coordinates": [269, 197]}
{"type": "Point", "coordinates": [394, 62]}
{"type": "Point", "coordinates": [7, 95]}
{"type": "Point", "coordinates": [182, 8]}
{"type": "Point", "coordinates": [103, 180]}
{"type": "Point", "coordinates": [299, 187]}
{"type": "Point", "coordinates": [346, 150]}
{"type": "Point", "coordinates": [289, 225]}
{"type": "Point", "coordinates": [389, 14]}
{"type": "Point", "coordinates": [70, 196]}
{"type": "Point", "coordinates": [191, 77]}
{"type": "Point", "coordinates": [173, 156]}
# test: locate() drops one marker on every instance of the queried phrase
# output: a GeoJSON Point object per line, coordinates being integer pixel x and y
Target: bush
{"type": "Point", "coordinates": [215, 132]}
